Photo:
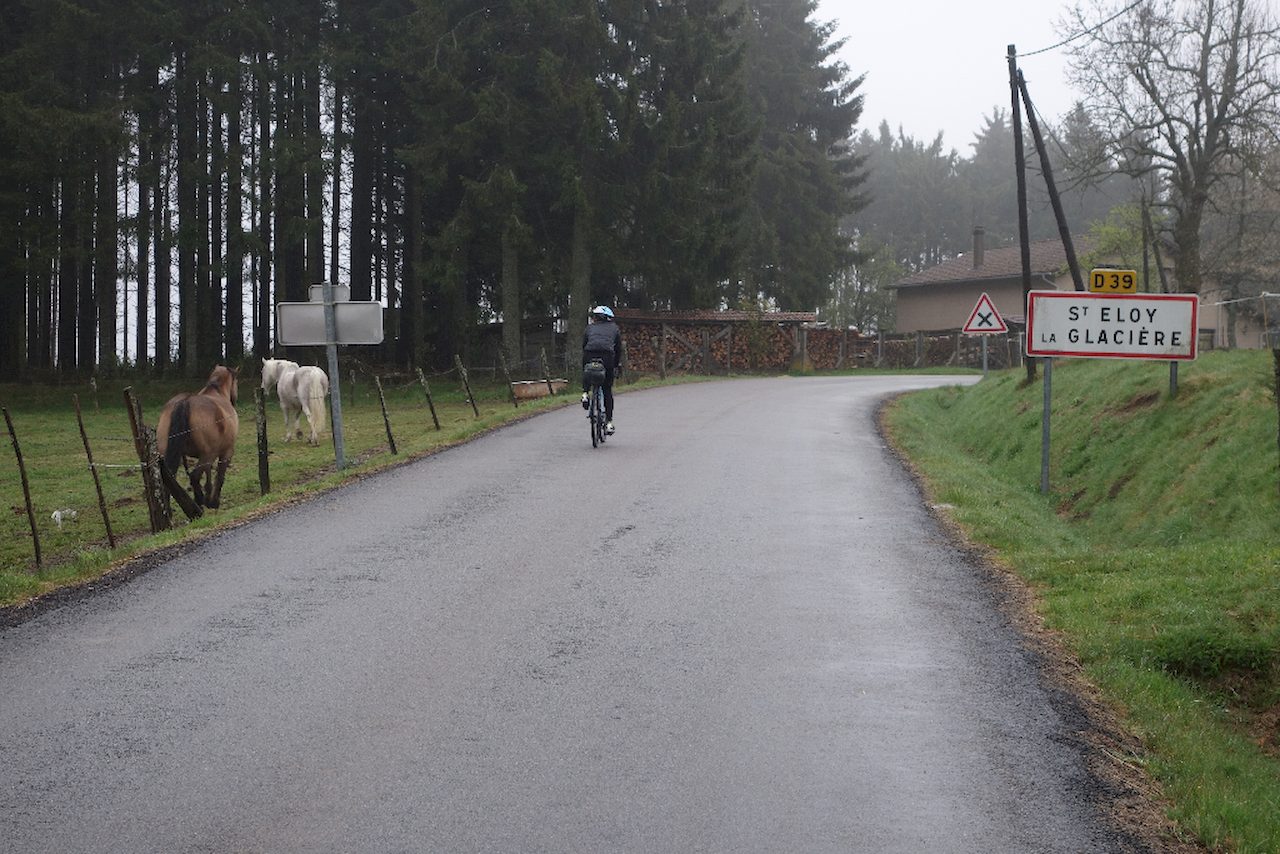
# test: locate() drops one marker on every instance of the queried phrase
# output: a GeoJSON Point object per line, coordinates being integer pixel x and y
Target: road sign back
{"type": "Point", "coordinates": [985, 319]}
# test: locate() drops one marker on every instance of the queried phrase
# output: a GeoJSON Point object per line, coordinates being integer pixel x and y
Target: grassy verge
{"type": "Point", "coordinates": [1154, 554]}
{"type": "Point", "coordinates": [76, 549]}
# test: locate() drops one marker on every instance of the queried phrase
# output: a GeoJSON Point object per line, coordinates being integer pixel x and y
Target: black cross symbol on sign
{"type": "Point", "coordinates": [984, 319]}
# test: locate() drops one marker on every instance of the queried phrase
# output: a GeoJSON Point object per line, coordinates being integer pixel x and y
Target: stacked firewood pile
{"type": "Point", "coordinates": [642, 342]}
{"type": "Point", "coordinates": [765, 347]}
{"type": "Point", "coordinates": [898, 353]}
{"type": "Point", "coordinates": [952, 349]}
{"type": "Point", "coordinates": [829, 349]}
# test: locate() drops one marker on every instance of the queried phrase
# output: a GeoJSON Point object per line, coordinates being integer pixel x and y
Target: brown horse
{"type": "Point", "coordinates": [203, 427]}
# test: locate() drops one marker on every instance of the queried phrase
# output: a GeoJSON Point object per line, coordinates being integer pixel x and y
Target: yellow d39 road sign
{"type": "Point", "coordinates": [1113, 282]}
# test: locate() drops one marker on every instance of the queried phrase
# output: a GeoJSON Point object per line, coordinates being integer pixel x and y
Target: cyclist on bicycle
{"type": "Point", "coordinates": [603, 342]}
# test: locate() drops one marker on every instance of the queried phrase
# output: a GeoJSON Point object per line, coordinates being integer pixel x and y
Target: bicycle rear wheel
{"type": "Point", "coordinates": [601, 422]}
{"type": "Point", "coordinates": [594, 415]}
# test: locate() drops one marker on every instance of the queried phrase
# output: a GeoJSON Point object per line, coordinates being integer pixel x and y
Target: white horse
{"type": "Point", "coordinates": [301, 390]}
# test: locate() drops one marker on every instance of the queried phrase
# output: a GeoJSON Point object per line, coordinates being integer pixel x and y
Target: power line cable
{"type": "Point", "coordinates": [1089, 31]}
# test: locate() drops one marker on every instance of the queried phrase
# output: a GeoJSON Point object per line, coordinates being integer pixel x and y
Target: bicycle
{"type": "Point", "coordinates": [594, 372]}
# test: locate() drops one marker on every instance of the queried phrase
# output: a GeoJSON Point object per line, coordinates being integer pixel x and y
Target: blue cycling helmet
{"type": "Point", "coordinates": [603, 311]}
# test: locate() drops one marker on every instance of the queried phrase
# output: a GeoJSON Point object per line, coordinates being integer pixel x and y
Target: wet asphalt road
{"type": "Point", "coordinates": [733, 628]}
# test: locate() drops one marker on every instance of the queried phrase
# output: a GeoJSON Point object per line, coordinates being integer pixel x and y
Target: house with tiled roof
{"type": "Point", "coordinates": [943, 297]}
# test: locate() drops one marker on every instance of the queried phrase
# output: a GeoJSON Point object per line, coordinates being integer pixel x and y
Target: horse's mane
{"type": "Point", "coordinates": [216, 379]}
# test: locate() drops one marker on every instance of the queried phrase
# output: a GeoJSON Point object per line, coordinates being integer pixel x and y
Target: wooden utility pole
{"type": "Point", "coordinates": [1020, 164]}
{"type": "Point", "coordinates": [1063, 231]}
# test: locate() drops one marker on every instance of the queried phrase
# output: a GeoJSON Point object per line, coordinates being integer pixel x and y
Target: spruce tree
{"type": "Point", "coordinates": [808, 175]}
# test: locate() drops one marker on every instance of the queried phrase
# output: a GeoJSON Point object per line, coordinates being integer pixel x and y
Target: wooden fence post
{"type": "Point", "coordinates": [162, 485]}
{"type": "Point", "coordinates": [93, 470]}
{"type": "Point", "coordinates": [176, 492]}
{"type": "Point", "coordinates": [26, 487]}
{"type": "Point", "coordinates": [264, 466]}
{"type": "Point", "coordinates": [662, 354]}
{"type": "Point", "coordinates": [546, 372]}
{"type": "Point", "coordinates": [430, 405]}
{"type": "Point", "coordinates": [391, 440]}
{"type": "Point", "coordinates": [506, 372]}
{"type": "Point", "coordinates": [466, 384]}
{"type": "Point", "coordinates": [152, 483]}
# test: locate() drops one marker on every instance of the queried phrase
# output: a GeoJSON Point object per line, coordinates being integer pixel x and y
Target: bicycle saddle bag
{"type": "Point", "coordinates": [593, 373]}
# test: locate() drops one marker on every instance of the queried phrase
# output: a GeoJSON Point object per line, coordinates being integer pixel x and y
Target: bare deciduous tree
{"type": "Point", "coordinates": [1186, 89]}
{"type": "Point", "coordinates": [1240, 251]}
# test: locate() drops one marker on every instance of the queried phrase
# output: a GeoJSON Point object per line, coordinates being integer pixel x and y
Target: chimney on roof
{"type": "Point", "coordinates": [978, 232]}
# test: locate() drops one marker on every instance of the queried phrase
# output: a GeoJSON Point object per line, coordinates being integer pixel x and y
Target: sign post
{"type": "Point", "coordinates": [330, 321]}
{"type": "Point", "coordinates": [984, 320]}
{"type": "Point", "coordinates": [1107, 325]}
{"type": "Point", "coordinates": [335, 389]}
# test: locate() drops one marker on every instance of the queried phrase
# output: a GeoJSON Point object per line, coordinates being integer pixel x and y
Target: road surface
{"type": "Point", "coordinates": [733, 628]}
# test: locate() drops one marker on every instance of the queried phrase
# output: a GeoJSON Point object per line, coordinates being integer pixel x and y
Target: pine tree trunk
{"type": "Point", "coordinates": [68, 284]}
{"type": "Point", "coordinates": [189, 230]}
{"type": "Point", "coordinates": [313, 145]}
{"type": "Point", "coordinates": [163, 238]}
{"type": "Point", "coordinates": [105, 267]}
{"type": "Point", "coordinates": [335, 218]}
{"type": "Point", "coordinates": [409, 341]}
{"type": "Point", "coordinates": [511, 313]}
{"type": "Point", "coordinates": [234, 334]}
{"type": "Point", "coordinates": [211, 232]}
{"type": "Point", "coordinates": [290, 197]}
{"type": "Point", "coordinates": [13, 301]}
{"type": "Point", "coordinates": [86, 302]}
{"type": "Point", "coordinates": [146, 183]}
{"type": "Point", "coordinates": [265, 171]}
{"type": "Point", "coordinates": [579, 283]}
{"type": "Point", "coordinates": [40, 349]}
{"type": "Point", "coordinates": [363, 191]}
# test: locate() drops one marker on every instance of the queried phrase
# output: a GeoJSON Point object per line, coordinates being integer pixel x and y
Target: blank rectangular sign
{"type": "Point", "coordinates": [302, 323]}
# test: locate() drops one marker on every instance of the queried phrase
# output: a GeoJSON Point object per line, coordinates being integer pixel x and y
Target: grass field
{"type": "Point", "coordinates": [1154, 554]}
{"type": "Point", "coordinates": [60, 479]}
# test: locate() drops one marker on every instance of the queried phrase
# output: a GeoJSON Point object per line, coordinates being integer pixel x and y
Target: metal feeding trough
{"type": "Point", "coordinates": [529, 389]}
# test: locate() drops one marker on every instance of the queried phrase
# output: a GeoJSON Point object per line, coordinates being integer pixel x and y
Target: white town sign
{"type": "Point", "coordinates": [1112, 326]}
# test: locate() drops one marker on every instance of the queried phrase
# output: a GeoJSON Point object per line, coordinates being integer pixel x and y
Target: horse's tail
{"type": "Point", "coordinates": [317, 389]}
{"type": "Point", "coordinates": [179, 434]}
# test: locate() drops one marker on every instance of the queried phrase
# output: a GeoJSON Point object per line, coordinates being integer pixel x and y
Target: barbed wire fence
{"type": "Point", "coordinates": [120, 487]}
{"type": "Point", "coordinates": [119, 484]}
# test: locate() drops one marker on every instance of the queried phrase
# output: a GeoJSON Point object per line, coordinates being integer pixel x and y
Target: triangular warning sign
{"type": "Point", "coordinates": [985, 318]}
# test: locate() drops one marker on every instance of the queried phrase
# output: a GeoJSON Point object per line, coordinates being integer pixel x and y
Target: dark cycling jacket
{"type": "Point", "coordinates": [602, 340]}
